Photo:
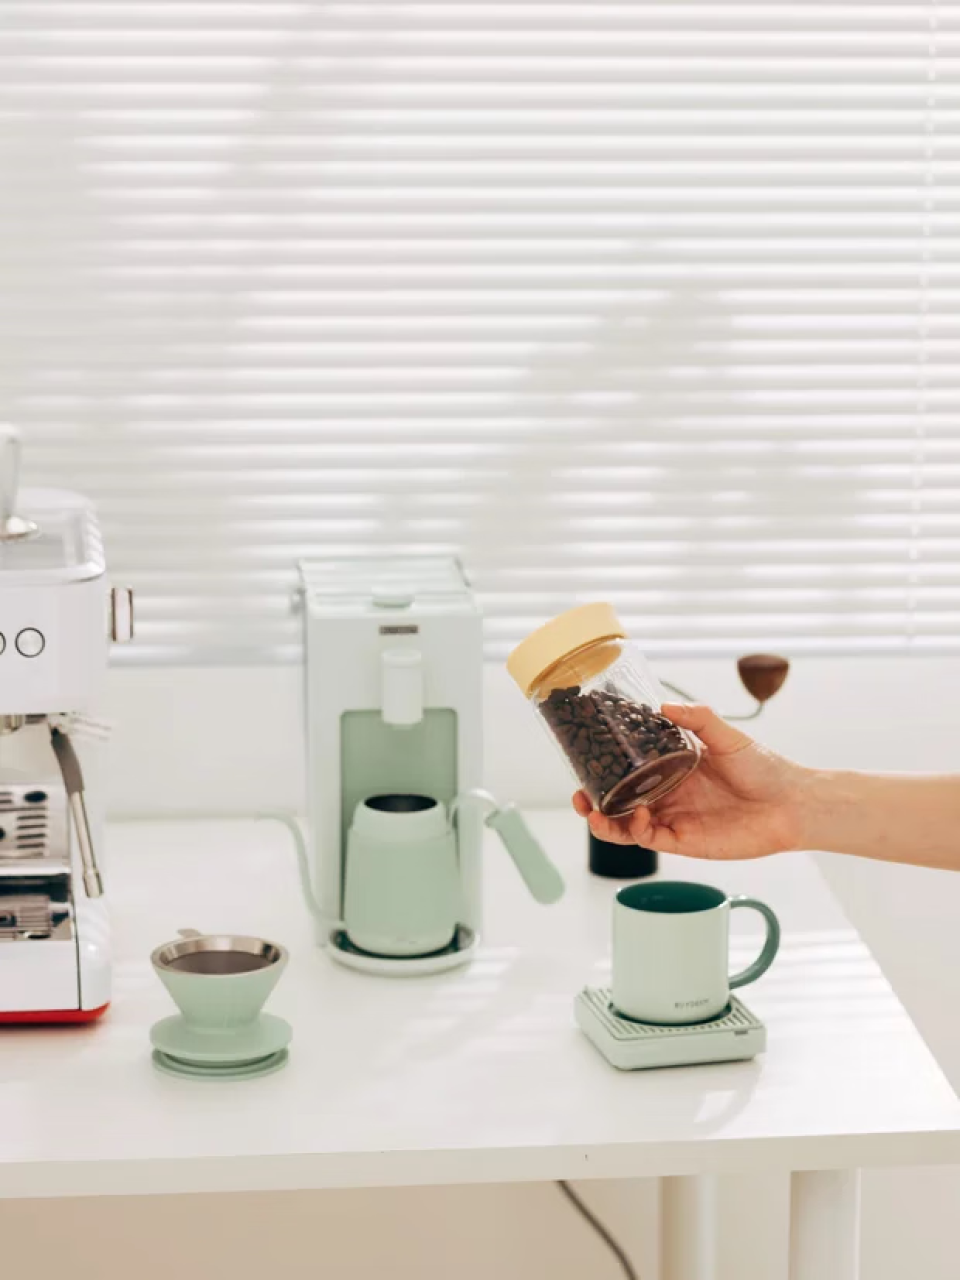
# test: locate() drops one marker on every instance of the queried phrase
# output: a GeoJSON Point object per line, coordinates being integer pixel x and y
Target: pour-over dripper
{"type": "Point", "coordinates": [219, 981]}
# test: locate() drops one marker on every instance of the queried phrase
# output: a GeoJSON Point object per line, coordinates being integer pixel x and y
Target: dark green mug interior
{"type": "Point", "coordinates": [671, 897]}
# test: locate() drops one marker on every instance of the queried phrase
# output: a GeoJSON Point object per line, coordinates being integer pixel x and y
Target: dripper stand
{"type": "Point", "coordinates": [738, 1034]}
{"type": "Point", "coordinates": [241, 1053]}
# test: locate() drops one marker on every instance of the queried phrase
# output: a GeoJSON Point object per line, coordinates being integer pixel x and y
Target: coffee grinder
{"type": "Point", "coordinates": [394, 718]}
{"type": "Point", "coordinates": [55, 613]}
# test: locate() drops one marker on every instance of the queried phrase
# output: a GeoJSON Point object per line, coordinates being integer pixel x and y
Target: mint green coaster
{"type": "Point", "coordinates": [222, 1071]}
{"type": "Point", "coordinates": [631, 1046]}
{"type": "Point", "coordinates": [175, 1038]}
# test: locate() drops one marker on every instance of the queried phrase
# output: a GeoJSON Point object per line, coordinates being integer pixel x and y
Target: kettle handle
{"type": "Point", "coordinates": [529, 856]}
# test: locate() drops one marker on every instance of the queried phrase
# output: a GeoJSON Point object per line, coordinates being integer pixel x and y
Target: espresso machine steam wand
{"type": "Point", "coordinates": [69, 763]}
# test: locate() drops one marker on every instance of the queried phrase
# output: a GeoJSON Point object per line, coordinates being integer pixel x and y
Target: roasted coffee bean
{"type": "Point", "coordinates": [615, 745]}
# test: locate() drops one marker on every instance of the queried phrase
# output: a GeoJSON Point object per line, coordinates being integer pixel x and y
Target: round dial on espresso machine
{"type": "Point", "coordinates": [30, 642]}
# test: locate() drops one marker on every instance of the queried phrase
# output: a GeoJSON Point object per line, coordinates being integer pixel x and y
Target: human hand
{"type": "Point", "coordinates": [743, 801]}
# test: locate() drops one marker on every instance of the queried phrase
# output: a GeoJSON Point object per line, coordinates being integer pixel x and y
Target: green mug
{"type": "Point", "coordinates": [671, 951]}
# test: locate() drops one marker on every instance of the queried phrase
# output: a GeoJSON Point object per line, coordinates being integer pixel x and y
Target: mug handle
{"type": "Point", "coordinates": [771, 944]}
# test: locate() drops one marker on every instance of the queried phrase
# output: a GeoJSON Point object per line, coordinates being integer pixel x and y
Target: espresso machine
{"type": "Point", "coordinates": [56, 611]}
{"type": "Point", "coordinates": [394, 721]}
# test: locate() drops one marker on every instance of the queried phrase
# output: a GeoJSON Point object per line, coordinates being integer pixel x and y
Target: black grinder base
{"type": "Point", "coordinates": [621, 861]}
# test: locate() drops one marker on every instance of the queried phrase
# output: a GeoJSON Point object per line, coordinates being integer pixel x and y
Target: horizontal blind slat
{"type": "Point", "coordinates": [665, 295]}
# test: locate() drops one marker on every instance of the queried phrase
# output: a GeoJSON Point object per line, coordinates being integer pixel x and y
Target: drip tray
{"type": "Point", "coordinates": [633, 1046]}
{"type": "Point", "coordinates": [460, 951]}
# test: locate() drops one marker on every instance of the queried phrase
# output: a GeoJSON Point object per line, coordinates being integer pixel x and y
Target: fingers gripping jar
{"type": "Point", "coordinates": [601, 702]}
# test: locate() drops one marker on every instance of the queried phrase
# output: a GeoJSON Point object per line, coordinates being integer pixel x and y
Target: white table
{"type": "Point", "coordinates": [479, 1075]}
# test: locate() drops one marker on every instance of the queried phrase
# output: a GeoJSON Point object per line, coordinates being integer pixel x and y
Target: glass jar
{"type": "Point", "coordinates": [593, 689]}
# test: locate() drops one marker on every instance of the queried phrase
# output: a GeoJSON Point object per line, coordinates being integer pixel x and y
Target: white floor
{"type": "Point", "coordinates": [474, 1233]}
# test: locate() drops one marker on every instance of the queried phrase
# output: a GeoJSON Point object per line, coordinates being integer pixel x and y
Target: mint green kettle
{"type": "Point", "coordinates": [402, 881]}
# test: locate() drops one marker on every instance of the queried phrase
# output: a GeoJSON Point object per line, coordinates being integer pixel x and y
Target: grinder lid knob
{"type": "Point", "coordinates": [763, 674]}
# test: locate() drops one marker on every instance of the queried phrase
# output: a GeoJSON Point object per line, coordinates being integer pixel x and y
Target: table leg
{"type": "Point", "coordinates": [825, 1226]}
{"type": "Point", "coordinates": [688, 1228]}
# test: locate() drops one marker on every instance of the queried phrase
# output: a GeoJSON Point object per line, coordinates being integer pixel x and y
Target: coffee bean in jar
{"type": "Point", "coordinates": [596, 694]}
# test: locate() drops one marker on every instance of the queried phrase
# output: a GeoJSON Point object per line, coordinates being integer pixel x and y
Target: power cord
{"type": "Point", "coordinates": [603, 1232]}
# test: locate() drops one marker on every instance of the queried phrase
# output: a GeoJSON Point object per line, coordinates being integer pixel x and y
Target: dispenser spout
{"type": "Point", "coordinates": [401, 686]}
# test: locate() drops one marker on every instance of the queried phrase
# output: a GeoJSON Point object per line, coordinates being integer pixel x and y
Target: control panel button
{"type": "Point", "coordinates": [3, 642]}
{"type": "Point", "coordinates": [30, 642]}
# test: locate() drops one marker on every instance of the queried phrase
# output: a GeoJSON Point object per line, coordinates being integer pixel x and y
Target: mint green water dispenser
{"type": "Point", "coordinates": [394, 721]}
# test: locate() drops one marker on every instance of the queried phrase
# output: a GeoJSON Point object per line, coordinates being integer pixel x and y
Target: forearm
{"type": "Point", "coordinates": [889, 817]}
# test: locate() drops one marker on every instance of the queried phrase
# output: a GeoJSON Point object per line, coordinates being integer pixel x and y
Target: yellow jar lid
{"type": "Point", "coordinates": [560, 636]}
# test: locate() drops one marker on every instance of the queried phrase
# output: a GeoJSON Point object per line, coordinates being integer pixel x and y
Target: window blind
{"type": "Point", "coordinates": [655, 302]}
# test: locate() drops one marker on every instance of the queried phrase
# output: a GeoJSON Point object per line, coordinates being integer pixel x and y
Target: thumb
{"type": "Point", "coordinates": [715, 734]}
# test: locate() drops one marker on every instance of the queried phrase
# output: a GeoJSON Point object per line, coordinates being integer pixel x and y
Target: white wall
{"type": "Point", "coordinates": [881, 713]}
